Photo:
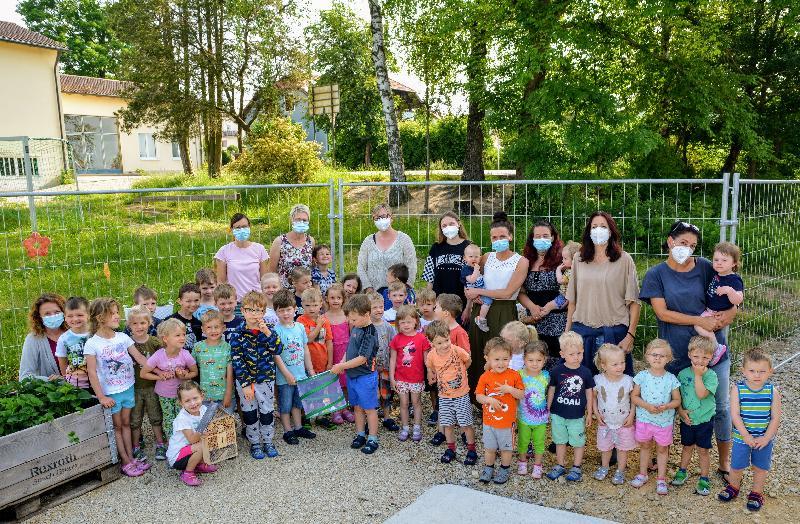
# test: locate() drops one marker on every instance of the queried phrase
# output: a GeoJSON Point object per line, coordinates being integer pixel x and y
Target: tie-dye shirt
{"type": "Point", "coordinates": [532, 408]}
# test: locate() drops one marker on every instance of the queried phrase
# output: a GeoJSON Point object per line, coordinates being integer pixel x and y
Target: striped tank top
{"type": "Point", "coordinates": [755, 408]}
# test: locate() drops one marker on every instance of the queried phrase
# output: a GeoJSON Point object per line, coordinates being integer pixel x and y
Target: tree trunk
{"type": "Point", "coordinates": [733, 156]}
{"type": "Point", "coordinates": [368, 154]}
{"type": "Point", "coordinates": [476, 85]}
{"type": "Point", "coordinates": [426, 207]}
{"type": "Point", "coordinates": [186, 156]}
{"type": "Point", "coordinates": [397, 194]}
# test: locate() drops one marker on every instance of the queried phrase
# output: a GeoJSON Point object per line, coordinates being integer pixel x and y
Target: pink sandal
{"type": "Point", "coordinates": [131, 470]}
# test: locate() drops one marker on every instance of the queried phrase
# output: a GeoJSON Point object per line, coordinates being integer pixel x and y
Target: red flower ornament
{"type": "Point", "coordinates": [36, 245]}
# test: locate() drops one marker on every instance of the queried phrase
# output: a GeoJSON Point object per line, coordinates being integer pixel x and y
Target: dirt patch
{"type": "Point", "coordinates": [465, 200]}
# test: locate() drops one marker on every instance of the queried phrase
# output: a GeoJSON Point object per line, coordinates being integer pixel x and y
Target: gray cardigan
{"type": "Point", "coordinates": [37, 359]}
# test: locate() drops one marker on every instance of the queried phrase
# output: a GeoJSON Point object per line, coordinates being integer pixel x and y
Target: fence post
{"type": "Point", "coordinates": [26, 162]}
{"type": "Point", "coordinates": [341, 228]}
{"type": "Point", "coordinates": [735, 207]}
{"type": "Point", "coordinates": [332, 217]}
{"type": "Point", "coordinates": [723, 219]}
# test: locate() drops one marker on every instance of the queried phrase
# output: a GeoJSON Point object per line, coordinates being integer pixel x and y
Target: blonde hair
{"type": "Point", "coordinates": [732, 250]}
{"type": "Point", "coordinates": [99, 309]}
{"type": "Point", "coordinates": [703, 344]}
{"type": "Point", "coordinates": [472, 247]}
{"type": "Point", "coordinates": [310, 295]}
{"type": "Point", "coordinates": [298, 273]}
{"type": "Point", "coordinates": [224, 291]}
{"type": "Point", "coordinates": [297, 208]}
{"type": "Point", "coordinates": [380, 206]}
{"type": "Point", "coordinates": [426, 296]}
{"type": "Point", "coordinates": [254, 298]}
{"type": "Point", "coordinates": [210, 316]}
{"type": "Point", "coordinates": [604, 352]}
{"type": "Point", "coordinates": [270, 276]}
{"type": "Point", "coordinates": [570, 339]}
{"type": "Point", "coordinates": [437, 328]}
{"type": "Point", "coordinates": [374, 297]}
{"type": "Point", "coordinates": [572, 247]}
{"type": "Point", "coordinates": [169, 326]}
{"type": "Point", "coordinates": [144, 293]}
{"type": "Point", "coordinates": [659, 343]}
{"type": "Point", "coordinates": [336, 288]}
{"type": "Point", "coordinates": [408, 311]}
{"type": "Point", "coordinates": [757, 355]}
{"type": "Point", "coordinates": [519, 331]}
{"type": "Point", "coordinates": [398, 286]}
{"type": "Point", "coordinates": [139, 311]}
{"type": "Point", "coordinates": [496, 343]}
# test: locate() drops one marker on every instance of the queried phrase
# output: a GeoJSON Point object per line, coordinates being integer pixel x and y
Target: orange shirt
{"type": "Point", "coordinates": [488, 384]}
{"type": "Point", "coordinates": [450, 371]}
{"type": "Point", "coordinates": [318, 347]}
{"type": "Point", "coordinates": [459, 337]}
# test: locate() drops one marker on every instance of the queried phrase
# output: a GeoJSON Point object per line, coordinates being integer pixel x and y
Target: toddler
{"type": "Point", "coordinates": [518, 335]}
{"type": "Point", "coordinates": [270, 284]}
{"type": "Point", "coordinates": [570, 399]}
{"type": "Point", "coordinates": [397, 273]}
{"type": "Point", "coordinates": [110, 368]}
{"type": "Point", "coordinates": [351, 283]}
{"type": "Point", "coordinates": [225, 300]}
{"type": "Point", "coordinates": [407, 368]}
{"type": "Point", "coordinates": [294, 364]}
{"type": "Point", "coordinates": [320, 338]}
{"type": "Point", "coordinates": [321, 274]}
{"type": "Point", "coordinates": [471, 278]}
{"type": "Point", "coordinates": [498, 390]}
{"type": "Point", "coordinates": [698, 407]}
{"type": "Point", "coordinates": [426, 302]}
{"type": "Point", "coordinates": [532, 413]}
{"type": "Point", "coordinates": [300, 279]}
{"type": "Point", "coordinates": [397, 295]}
{"type": "Point", "coordinates": [756, 413]}
{"type": "Point", "coordinates": [185, 451]}
{"type": "Point", "coordinates": [139, 322]}
{"type": "Point", "coordinates": [656, 395]}
{"type": "Point", "coordinates": [447, 368]}
{"type": "Point", "coordinates": [168, 367]}
{"type": "Point", "coordinates": [340, 330]}
{"type": "Point", "coordinates": [385, 333]}
{"type": "Point", "coordinates": [362, 379]}
{"type": "Point", "coordinates": [563, 273]}
{"type": "Point", "coordinates": [614, 412]}
{"type": "Point", "coordinates": [725, 291]}
{"type": "Point", "coordinates": [144, 296]}
{"type": "Point", "coordinates": [253, 350]}
{"type": "Point", "coordinates": [69, 347]}
{"type": "Point", "coordinates": [206, 280]}
{"type": "Point", "coordinates": [189, 301]}
{"type": "Point", "coordinates": [213, 356]}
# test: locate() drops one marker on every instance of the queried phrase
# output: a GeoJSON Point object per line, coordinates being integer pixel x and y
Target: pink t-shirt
{"type": "Point", "coordinates": [160, 361]}
{"type": "Point", "coordinates": [410, 365]}
{"type": "Point", "coordinates": [243, 266]}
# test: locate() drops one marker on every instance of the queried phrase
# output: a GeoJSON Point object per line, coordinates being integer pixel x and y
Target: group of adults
{"type": "Point", "coordinates": [603, 294]}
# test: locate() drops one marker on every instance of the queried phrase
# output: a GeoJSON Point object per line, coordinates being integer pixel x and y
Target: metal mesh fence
{"type": "Point", "coordinates": [46, 161]}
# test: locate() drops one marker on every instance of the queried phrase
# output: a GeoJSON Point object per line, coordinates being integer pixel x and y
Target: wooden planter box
{"type": "Point", "coordinates": [40, 467]}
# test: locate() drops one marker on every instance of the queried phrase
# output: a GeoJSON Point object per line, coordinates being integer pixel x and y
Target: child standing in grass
{"type": "Point", "coordinates": [206, 280]}
{"type": "Point", "coordinates": [225, 300]}
{"type": "Point", "coordinates": [385, 333]}
{"type": "Point", "coordinates": [340, 329]}
{"type": "Point", "coordinates": [532, 414]}
{"type": "Point", "coordinates": [213, 357]}
{"type": "Point", "coordinates": [189, 301]}
{"type": "Point", "coordinates": [270, 284]}
{"type": "Point", "coordinates": [69, 347]}
{"type": "Point", "coordinates": [321, 274]}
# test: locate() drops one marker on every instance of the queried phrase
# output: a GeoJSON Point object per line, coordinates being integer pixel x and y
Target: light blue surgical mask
{"type": "Point", "coordinates": [501, 245]}
{"type": "Point", "coordinates": [241, 233]}
{"type": "Point", "coordinates": [542, 244]}
{"type": "Point", "coordinates": [53, 321]}
{"type": "Point", "coordinates": [301, 226]}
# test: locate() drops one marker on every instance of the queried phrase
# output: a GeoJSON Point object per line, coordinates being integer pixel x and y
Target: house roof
{"type": "Point", "coordinates": [87, 85]}
{"type": "Point", "coordinates": [397, 86]}
{"type": "Point", "coordinates": [11, 32]}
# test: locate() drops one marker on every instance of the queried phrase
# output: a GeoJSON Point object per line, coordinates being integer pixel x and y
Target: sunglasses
{"type": "Point", "coordinates": [684, 226]}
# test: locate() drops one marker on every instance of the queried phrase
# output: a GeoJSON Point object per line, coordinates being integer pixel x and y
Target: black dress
{"type": "Point", "coordinates": [443, 268]}
{"type": "Point", "coordinates": [542, 287]}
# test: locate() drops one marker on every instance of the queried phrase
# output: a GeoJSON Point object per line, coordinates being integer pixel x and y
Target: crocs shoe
{"type": "Point", "coordinates": [601, 473]}
{"type": "Point", "coordinates": [403, 435]}
{"type": "Point", "coordinates": [416, 435]}
{"type": "Point", "coordinates": [661, 487]}
{"type": "Point", "coordinates": [557, 471]}
{"type": "Point", "coordinates": [256, 451]}
{"type": "Point", "coordinates": [190, 478]}
{"type": "Point", "coordinates": [619, 478]}
{"type": "Point", "coordinates": [337, 418]}
{"type": "Point", "coordinates": [348, 415]}
{"type": "Point", "coordinates": [522, 468]}
{"type": "Point", "coordinates": [486, 474]}
{"type": "Point", "coordinates": [575, 474]}
{"type": "Point", "coordinates": [680, 478]}
{"type": "Point", "coordinates": [130, 470]}
{"type": "Point", "coordinates": [161, 452]}
{"type": "Point", "coordinates": [537, 471]}
{"type": "Point", "coordinates": [639, 480]}
{"type": "Point", "coordinates": [448, 456]}
{"type": "Point", "coordinates": [703, 487]}
{"type": "Point", "coordinates": [270, 450]}
{"type": "Point", "coordinates": [472, 458]}
{"type": "Point", "coordinates": [502, 475]}
{"type": "Point", "coordinates": [205, 468]}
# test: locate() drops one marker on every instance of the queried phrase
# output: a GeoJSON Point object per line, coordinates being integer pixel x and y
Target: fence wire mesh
{"type": "Point", "coordinates": [46, 162]}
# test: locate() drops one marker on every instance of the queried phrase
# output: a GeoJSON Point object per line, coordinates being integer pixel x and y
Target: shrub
{"type": "Point", "coordinates": [278, 153]}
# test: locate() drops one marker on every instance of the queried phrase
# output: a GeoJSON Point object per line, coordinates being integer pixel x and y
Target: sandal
{"type": "Point", "coordinates": [728, 494]}
{"type": "Point", "coordinates": [370, 447]}
{"type": "Point", "coordinates": [755, 501]}
{"type": "Point", "coordinates": [722, 474]}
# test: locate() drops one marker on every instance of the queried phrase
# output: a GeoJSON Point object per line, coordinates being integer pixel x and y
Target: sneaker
{"type": "Point", "coordinates": [703, 487]}
{"type": "Point", "coordinates": [256, 451]}
{"type": "Point", "coordinates": [130, 470]}
{"type": "Point", "coordinates": [575, 474]}
{"type": "Point", "coordinates": [337, 418]}
{"type": "Point", "coordinates": [537, 471]}
{"type": "Point", "coordinates": [290, 438]}
{"type": "Point", "coordinates": [486, 474]}
{"type": "Point", "coordinates": [438, 439]}
{"type": "Point", "coordinates": [370, 447]}
{"type": "Point", "coordinates": [556, 472]}
{"type": "Point", "coordinates": [270, 450]}
{"type": "Point", "coordinates": [161, 452]}
{"type": "Point", "coordinates": [348, 415]}
{"type": "Point", "coordinates": [403, 435]}
{"type": "Point", "coordinates": [502, 475]}
{"type": "Point", "coordinates": [522, 468]}
{"type": "Point", "coordinates": [680, 478]}
{"type": "Point", "coordinates": [434, 418]}
{"type": "Point", "coordinates": [326, 423]}
{"type": "Point", "coordinates": [472, 458]}
{"type": "Point", "coordinates": [619, 478]}
{"type": "Point", "coordinates": [205, 468]}
{"type": "Point", "coordinates": [448, 456]}
{"type": "Point", "coordinates": [390, 424]}
{"type": "Point", "coordinates": [416, 435]}
{"type": "Point", "coordinates": [190, 478]}
{"type": "Point", "coordinates": [358, 442]}
{"type": "Point", "coordinates": [138, 454]}
{"type": "Point", "coordinates": [718, 354]}
{"type": "Point", "coordinates": [639, 480]}
{"type": "Point", "coordinates": [601, 473]}
{"type": "Point", "coordinates": [661, 487]}
{"type": "Point", "coordinates": [482, 325]}
{"type": "Point", "coordinates": [304, 432]}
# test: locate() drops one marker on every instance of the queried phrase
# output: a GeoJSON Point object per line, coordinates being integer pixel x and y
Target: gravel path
{"type": "Point", "coordinates": [323, 480]}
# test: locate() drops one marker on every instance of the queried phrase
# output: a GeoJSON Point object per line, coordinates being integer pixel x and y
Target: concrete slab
{"type": "Point", "coordinates": [448, 503]}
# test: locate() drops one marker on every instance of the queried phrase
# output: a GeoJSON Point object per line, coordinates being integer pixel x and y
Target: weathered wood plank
{"type": "Point", "coordinates": [34, 442]}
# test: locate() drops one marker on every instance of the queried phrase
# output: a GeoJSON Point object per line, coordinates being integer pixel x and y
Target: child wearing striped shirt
{"type": "Point", "coordinates": [756, 414]}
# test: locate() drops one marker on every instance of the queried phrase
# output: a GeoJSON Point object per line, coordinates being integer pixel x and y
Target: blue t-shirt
{"type": "Point", "coordinates": [656, 390]}
{"type": "Point", "coordinates": [294, 340]}
{"type": "Point", "coordinates": [684, 293]}
{"type": "Point", "coordinates": [467, 271]}
{"type": "Point", "coordinates": [570, 386]}
{"type": "Point", "coordinates": [716, 302]}
{"type": "Point", "coordinates": [411, 297]}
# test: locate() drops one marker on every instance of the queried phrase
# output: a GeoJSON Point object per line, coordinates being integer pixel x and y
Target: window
{"type": "Point", "coordinates": [147, 146]}
{"type": "Point", "coordinates": [176, 151]}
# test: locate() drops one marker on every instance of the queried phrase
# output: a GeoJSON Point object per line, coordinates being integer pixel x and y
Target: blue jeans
{"type": "Point", "coordinates": [593, 338]}
{"type": "Point", "coordinates": [722, 418]}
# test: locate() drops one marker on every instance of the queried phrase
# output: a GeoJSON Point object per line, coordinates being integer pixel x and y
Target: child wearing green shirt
{"type": "Point", "coordinates": [213, 356]}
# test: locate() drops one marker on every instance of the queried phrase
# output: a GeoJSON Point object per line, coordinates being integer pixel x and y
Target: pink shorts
{"type": "Point", "coordinates": [621, 438]}
{"type": "Point", "coordinates": [646, 432]}
{"type": "Point", "coordinates": [184, 452]}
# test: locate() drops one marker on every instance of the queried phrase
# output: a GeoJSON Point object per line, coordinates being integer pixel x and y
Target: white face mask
{"type": "Point", "coordinates": [600, 235]}
{"type": "Point", "coordinates": [383, 223]}
{"type": "Point", "coordinates": [450, 232]}
{"type": "Point", "coordinates": [681, 253]}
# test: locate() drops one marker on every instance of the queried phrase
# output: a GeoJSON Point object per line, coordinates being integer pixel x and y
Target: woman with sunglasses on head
{"type": "Point", "coordinates": [676, 290]}
{"type": "Point", "coordinates": [384, 248]}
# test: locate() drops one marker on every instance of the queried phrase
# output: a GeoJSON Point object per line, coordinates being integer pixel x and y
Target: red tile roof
{"type": "Point", "coordinates": [87, 85]}
{"type": "Point", "coordinates": [397, 86]}
{"type": "Point", "coordinates": [11, 32]}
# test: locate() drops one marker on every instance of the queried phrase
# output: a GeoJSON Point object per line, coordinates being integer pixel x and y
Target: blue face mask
{"type": "Point", "coordinates": [542, 244]}
{"type": "Point", "coordinates": [301, 226]}
{"type": "Point", "coordinates": [241, 233]}
{"type": "Point", "coordinates": [501, 245]}
{"type": "Point", "coordinates": [53, 321]}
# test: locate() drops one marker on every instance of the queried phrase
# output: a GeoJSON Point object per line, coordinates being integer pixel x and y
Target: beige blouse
{"type": "Point", "coordinates": [602, 292]}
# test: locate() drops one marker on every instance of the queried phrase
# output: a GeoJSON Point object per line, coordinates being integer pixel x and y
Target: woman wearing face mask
{"type": "Point", "coordinates": [292, 249]}
{"type": "Point", "coordinates": [46, 323]}
{"type": "Point", "coordinates": [504, 271]}
{"type": "Point", "coordinates": [442, 269]}
{"type": "Point", "coordinates": [543, 250]}
{"type": "Point", "coordinates": [603, 292]}
{"type": "Point", "coordinates": [241, 263]}
{"type": "Point", "coordinates": [384, 248]}
{"type": "Point", "coordinates": [676, 290]}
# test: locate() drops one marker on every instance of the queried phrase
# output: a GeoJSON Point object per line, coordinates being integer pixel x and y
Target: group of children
{"type": "Point", "coordinates": [398, 342]}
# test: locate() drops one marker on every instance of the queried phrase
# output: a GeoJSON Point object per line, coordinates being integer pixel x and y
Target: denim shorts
{"type": "Point", "coordinates": [123, 400]}
{"type": "Point", "coordinates": [288, 398]}
{"type": "Point", "coordinates": [743, 455]}
{"type": "Point", "coordinates": [722, 418]}
{"type": "Point", "coordinates": [363, 391]}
